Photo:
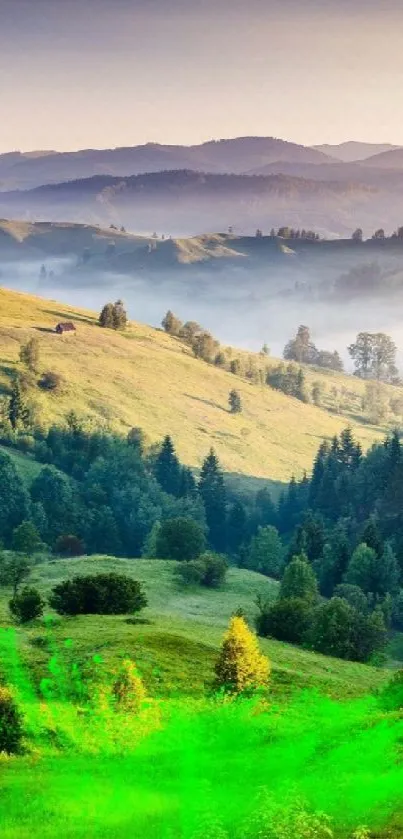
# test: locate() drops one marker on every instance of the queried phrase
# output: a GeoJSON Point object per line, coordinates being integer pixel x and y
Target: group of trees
{"type": "Point", "coordinates": [341, 626]}
{"type": "Point", "coordinates": [302, 350]}
{"type": "Point", "coordinates": [113, 316]}
{"type": "Point", "coordinates": [374, 357]}
{"type": "Point", "coordinates": [289, 379]}
{"type": "Point", "coordinates": [373, 354]}
{"type": "Point", "coordinates": [99, 493]}
{"type": "Point", "coordinates": [347, 520]}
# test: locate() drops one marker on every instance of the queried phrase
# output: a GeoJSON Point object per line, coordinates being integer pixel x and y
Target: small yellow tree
{"type": "Point", "coordinates": [241, 667]}
{"type": "Point", "coordinates": [128, 688]}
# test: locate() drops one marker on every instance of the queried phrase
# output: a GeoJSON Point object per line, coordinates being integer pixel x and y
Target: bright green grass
{"type": "Point", "coordinates": [176, 650]}
{"type": "Point", "coordinates": [187, 767]}
{"type": "Point", "coordinates": [186, 770]}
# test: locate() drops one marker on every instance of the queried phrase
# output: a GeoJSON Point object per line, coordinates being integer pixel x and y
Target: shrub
{"type": "Point", "coordinates": [128, 688]}
{"type": "Point", "coordinates": [100, 594]}
{"type": "Point", "coordinates": [241, 667]}
{"type": "Point", "coordinates": [216, 568]}
{"type": "Point", "coordinates": [191, 573]}
{"type": "Point", "coordinates": [180, 539]}
{"type": "Point", "coordinates": [208, 570]}
{"type": "Point", "coordinates": [27, 605]}
{"type": "Point", "coordinates": [69, 545]}
{"type": "Point", "coordinates": [339, 630]}
{"type": "Point", "coordinates": [50, 381]}
{"type": "Point", "coordinates": [10, 723]}
{"type": "Point", "coordinates": [286, 620]}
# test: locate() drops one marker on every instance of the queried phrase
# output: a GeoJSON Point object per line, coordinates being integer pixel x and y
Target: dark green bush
{"type": "Point", "coordinates": [286, 620]}
{"type": "Point", "coordinates": [10, 723]}
{"type": "Point", "coordinates": [27, 605]}
{"type": "Point", "coordinates": [208, 570]}
{"type": "Point", "coordinates": [69, 545]}
{"type": "Point", "coordinates": [181, 539]}
{"type": "Point", "coordinates": [98, 594]}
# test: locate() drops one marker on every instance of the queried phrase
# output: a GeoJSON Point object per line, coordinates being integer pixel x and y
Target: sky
{"type": "Point", "coordinates": [106, 73]}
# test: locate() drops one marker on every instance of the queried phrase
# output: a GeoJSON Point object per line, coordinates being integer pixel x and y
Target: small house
{"type": "Point", "coordinates": [65, 327]}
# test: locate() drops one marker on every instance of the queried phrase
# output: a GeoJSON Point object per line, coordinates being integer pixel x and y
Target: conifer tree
{"type": "Point", "coordinates": [167, 468]}
{"type": "Point", "coordinates": [119, 315]}
{"type": "Point", "coordinates": [235, 402]}
{"type": "Point", "coordinates": [241, 667]}
{"type": "Point", "coordinates": [171, 324]}
{"type": "Point", "coordinates": [212, 491]}
{"type": "Point", "coordinates": [187, 483]}
{"type": "Point", "coordinates": [106, 318]}
{"type": "Point", "coordinates": [18, 412]}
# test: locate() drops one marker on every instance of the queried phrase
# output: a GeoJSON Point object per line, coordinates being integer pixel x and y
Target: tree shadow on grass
{"type": "Point", "coordinates": [66, 316]}
{"type": "Point", "coordinates": [207, 402]}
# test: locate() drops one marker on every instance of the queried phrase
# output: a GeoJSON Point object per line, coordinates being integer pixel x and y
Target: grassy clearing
{"type": "Point", "coordinates": [176, 648]}
{"type": "Point", "coordinates": [148, 379]}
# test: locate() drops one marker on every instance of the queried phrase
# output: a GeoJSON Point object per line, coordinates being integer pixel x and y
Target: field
{"type": "Point", "coordinates": [149, 379]}
{"type": "Point", "coordinates": [187, 766]}
{"type": "Point", "coordinates": [175, 649]}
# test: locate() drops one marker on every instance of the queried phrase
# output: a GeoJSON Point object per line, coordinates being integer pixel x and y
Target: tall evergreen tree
{"type": "Point", "coordinates": [167, 468]}
{"type": "Point", "coordinates": [213, 493]}
{"type": "Point", "coordinates": [371, 536]}
{"type": "Point", "coordinates": [187, 483]}
{"type": "Point", "coordinates": [235, 402]}
{"type": "Point", "coordinates": [106, 318]}
{"type": "Point", "coordinates": [18, 412]}
{"type": "Point", "coordinates": [237, 530]}
{"type": "Point", "coordinates": [119, 315]}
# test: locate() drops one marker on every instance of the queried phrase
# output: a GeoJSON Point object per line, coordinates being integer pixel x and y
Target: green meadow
{"type": "Point", "coordinates": [316, 756]}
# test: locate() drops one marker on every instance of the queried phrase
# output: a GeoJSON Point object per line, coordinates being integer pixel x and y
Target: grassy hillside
{"type": "Point", "coordinates": [176, 639]}
{"type": "Point", "coordinates": [149, 379]}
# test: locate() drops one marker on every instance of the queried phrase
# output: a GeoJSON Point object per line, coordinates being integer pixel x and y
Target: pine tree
{"type": "Point", "coordinates": [171, 324]}
{"type": "Point", "coordinates": [18, 412]}
{"type": "Point", "coordinates": [167, 468]}
{"type": "Point", "coordinates": [371, 536]}
{"type": "Point", "coordinates": [241, 667]}
{"type": "Point", "coordinates": [235, 402]}
{"type": "Point", "coordinates": [236, 527]}
{"type": "Point", "coordinates": [212, 491]}
{"type": "Point", "coordinates": [187, 483]}
{"type": "Point", "coordinates": [119, 315]}
{"type": "Point", "coordinates": [106, 318]}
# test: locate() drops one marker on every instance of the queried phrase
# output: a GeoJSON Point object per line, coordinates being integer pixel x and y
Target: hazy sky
{"type": "Point", "coordinates": [104, 73]}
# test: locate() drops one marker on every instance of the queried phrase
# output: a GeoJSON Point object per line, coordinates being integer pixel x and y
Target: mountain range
{"type": "Point", "coordinates": [243, 183]}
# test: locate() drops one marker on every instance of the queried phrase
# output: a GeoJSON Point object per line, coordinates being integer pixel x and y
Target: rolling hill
{"type": "Point", "coordinates": [185, 202]}
{"type": "Point", "coordinates": [146, 378]}
{"type": "Point", "coordinates": [353, 150]}
{"type": "Point", "coordinates": [177, 638]}
{"type": "Point", "coordinates": [392, 159]}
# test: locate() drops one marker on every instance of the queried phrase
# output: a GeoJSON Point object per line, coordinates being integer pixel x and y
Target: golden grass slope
{"type": "Point", "coordinates": [149, 379]}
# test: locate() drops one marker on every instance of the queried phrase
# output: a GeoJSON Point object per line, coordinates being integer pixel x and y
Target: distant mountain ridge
{"type": "Point", "coordinates": [352, 150]}
{"type": "Point", "coordinates": [27, 170]}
